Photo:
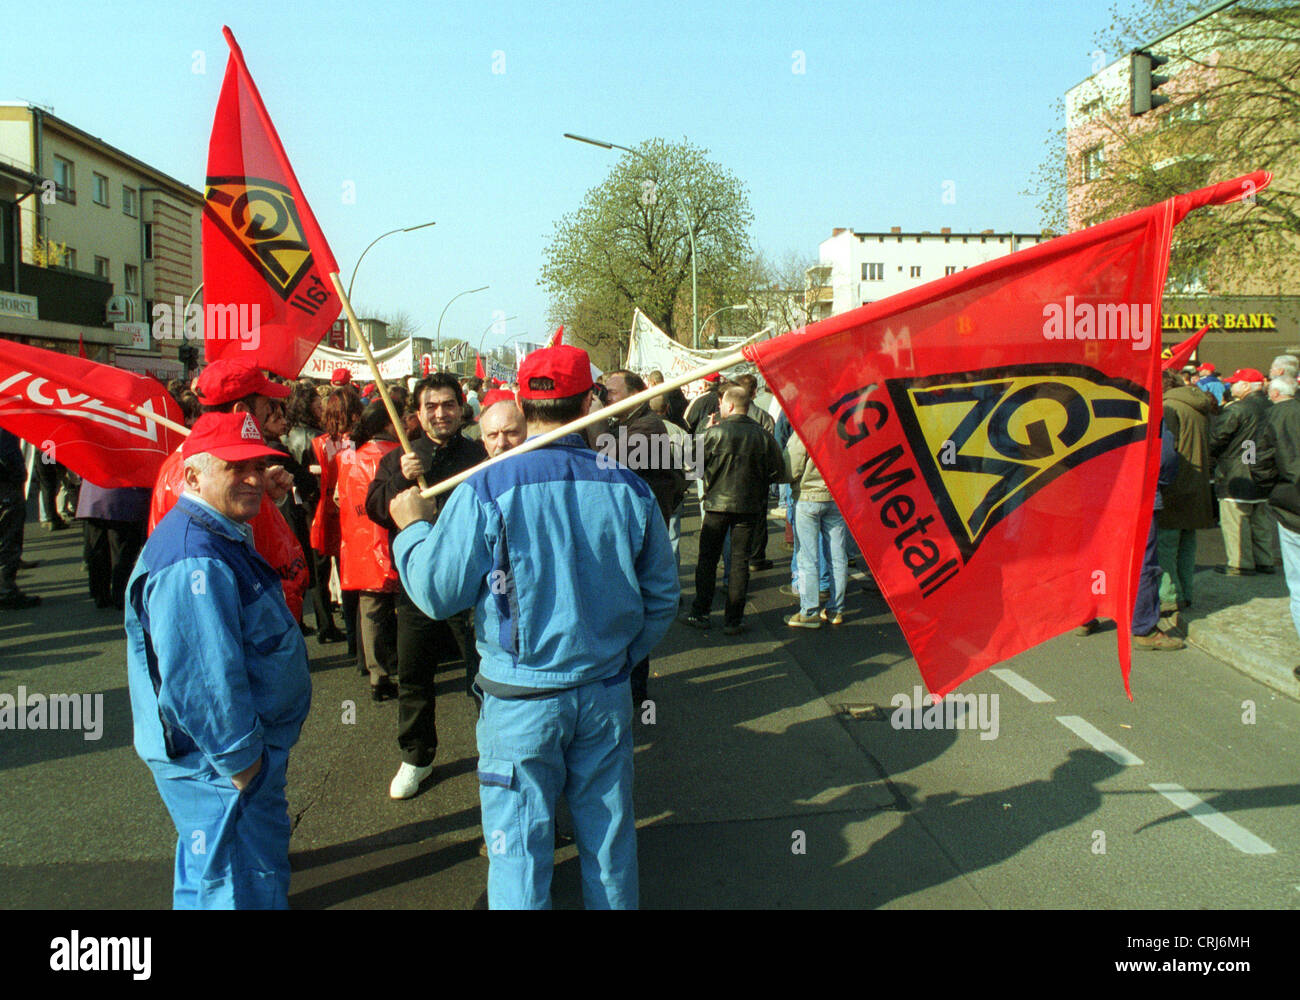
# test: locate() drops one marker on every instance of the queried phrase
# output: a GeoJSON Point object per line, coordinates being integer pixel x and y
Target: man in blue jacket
{"type": "Point", "coordinates": [567, 564]}
{"type": "Point", "coordinates": [217, 670]}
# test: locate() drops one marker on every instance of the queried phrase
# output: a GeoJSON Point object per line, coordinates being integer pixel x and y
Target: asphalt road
{"type": "Point", "coordinates": [770, 776]}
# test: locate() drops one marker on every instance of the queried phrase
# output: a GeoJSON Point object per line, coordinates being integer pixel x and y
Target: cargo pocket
{"type": "Point", "coordinates": [498, 773]}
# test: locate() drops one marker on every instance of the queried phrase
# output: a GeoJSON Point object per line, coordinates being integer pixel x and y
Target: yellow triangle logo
{"type": "Point", "coordinates": [987, 441]}
{"type": "Point", "coordinates": [262, 221]}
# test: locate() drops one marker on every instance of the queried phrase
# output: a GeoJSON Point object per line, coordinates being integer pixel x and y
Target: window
{"type": "Point", "coordinates": [101, 190]}
{"type": "Point", "coordinates": [65, 180]}
{"type": "Point", "coordinates": [148, 241]}
{"type": "Point", "coordinates": [128, 201]}
{"type": "Point", "coordinates": [1092, 108]}
{"type": "Point", "coordinates": [131, 278]}
{"type": "Point", "coordinates": [101, 268]}
{"type": "Point", "coordinates": [1094, 163]}
{"type": "Point", "coordinates": [69, 259]}
{"type": "Point", "coordinates": [950, 270]}
{"type": "Point", "coordinates": [914, 272]}
{"type": "Point", "coordinates": [873, 272]}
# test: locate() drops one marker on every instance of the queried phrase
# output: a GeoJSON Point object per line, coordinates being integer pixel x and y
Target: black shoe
{"type": "Point", "coordinates": [1233, 571]}
{"type": "Point", "coordinates": [306, 631]}
{"type": "Point", "coordinates": [17, 601]}
{"type": "Point", "coordinates": [330, 635]}
{"type": "Point", "coordinates": [58, 525]}
{"type": "Point", "coordinates": [760, 565]}
{"type": "Point", "coordinates": [385, 690]}
{"type": "Point", "coordinates": [695, 621]}
{"type": "Point", "coordinates": [1266, 570]}
{"type": "Point", "coordinates": [24, 564]}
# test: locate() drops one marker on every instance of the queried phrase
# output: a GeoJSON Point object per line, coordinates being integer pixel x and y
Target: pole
{"type": "Point", "coordinates": [165, 422]}
{"type": "Point", "coordinates": [398, 425]}
{"type": "Point", "coordinates": [438, 335]}
{"type": "Point", "coordinates": [631, 403]}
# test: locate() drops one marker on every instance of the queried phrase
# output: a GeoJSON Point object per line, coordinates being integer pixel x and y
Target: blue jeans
{"type": "Point", "coordinates": [577, 741]}
{"type": "Point", "coordinates": [1291, 567]}
{"type": "Point", "coordinates": [818, 525]}
{"type": "Point", "coordinates": [791, 509]}
{"type": "Point", "coordinates": [675, 536]}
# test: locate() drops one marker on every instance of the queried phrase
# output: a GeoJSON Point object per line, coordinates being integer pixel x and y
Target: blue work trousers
{"type": "Point", "coordinates": [232, 847]}
{"type": "Point", "coordinates": [821, 530]}
{"type": "Point", "coordinates": [577, 741]}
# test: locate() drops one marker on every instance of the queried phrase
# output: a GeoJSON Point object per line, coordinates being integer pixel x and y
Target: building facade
{"type": "Point", "coordinates": [96, 237]}
{"type": "Point", "coordinates": [856, 268]}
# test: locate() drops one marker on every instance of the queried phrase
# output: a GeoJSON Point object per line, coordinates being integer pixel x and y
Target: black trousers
{"type": "Point", "coordinates": [377, 651]}
{"type": "Point", "coordinates": [713, 529]}
{"type": "Point", "coordinates": [111, 548]}
{"type": "Point", "coordinates": [423, 643]}
{"type": "Point", "coordinates": [320, 589]}
{"type": "Point", "coordinates": [758, 545]}
{"type": "Point", "coordinates": [13, 514]}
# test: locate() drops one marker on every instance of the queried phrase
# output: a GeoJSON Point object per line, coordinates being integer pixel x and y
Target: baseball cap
{"type": "Point", "coordinates": [500, 396]}
{"type": "Point", "coordinates": [1245, 375]}
{"type": "Point", "coordinates": [340, 376]}
{"type": "Point", "coordinates": [1207, 369]}
{"type": "Point", "coordinates": [567, 366]}
{"type": "Point", "coordinates": [229, 379]}
{"type": "Point", "coordinates": [233, 437]}
{"type": "Point", "coordinates": [712, 378]}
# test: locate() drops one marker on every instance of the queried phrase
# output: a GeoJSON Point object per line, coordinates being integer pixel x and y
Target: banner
{"type": "Point", "coordinates": [266, 265]}
{"type": "Point", "coordinates": [992, 437]}
{"type": "Point", "coordinates": [522, 349]}
{"type": "Point", "coordinates": [80, 413]}
{"type": "Point", "coordinates": [396, 362]}
{"type": "Point", "coordinates": [650, 349]}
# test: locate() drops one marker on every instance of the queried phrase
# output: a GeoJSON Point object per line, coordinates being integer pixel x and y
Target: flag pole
{"type": "Point", "coordinates": [631, 403]}
{"type": "Point", "coordinates": [166, 422]}
{"type": "Point", "coordinates": [398, 425]}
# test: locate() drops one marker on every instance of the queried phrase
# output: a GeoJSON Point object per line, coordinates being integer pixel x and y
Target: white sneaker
{"type": "Point", "coordinates": [407, 781]}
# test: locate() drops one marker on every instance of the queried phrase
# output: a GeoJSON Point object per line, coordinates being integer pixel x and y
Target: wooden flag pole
{"type": "Point", "coordinates": [169, 424]}
{"type": "Point", "coordinates": [631, 403]}
{"type": "Point", "coordinates": [398, 425]}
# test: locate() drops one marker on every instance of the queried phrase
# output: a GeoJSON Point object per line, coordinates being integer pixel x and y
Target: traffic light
{"type": "Point", "coordinates": [1143, 82]}
{"type": "Point", "coordinates": [188, 355]}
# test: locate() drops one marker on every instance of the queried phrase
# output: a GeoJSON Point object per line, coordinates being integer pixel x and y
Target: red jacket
{"type": "Point", "coordinates": [366, 562]}
{"type": "Point", "coordinates": [272, 536]}
{"type": "Point", "coordinates": [325, 525]}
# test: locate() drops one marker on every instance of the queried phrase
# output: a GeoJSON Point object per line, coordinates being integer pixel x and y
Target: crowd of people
{"type": "Point", "coordinates": [551, 576]}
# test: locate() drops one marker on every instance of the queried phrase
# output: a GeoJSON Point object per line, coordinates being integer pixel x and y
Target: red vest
{"type": "Point", "coordinates": [324, 536]}
{"type": "Point", "coordinates": [272, 536]}
{"type": "Point", "coordinates": [365, 561]}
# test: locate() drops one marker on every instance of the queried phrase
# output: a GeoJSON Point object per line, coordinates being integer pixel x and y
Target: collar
{"type": "Point", "coordinates": [216, 521]}
{"type": "Point", "coordinates": [574, 440]}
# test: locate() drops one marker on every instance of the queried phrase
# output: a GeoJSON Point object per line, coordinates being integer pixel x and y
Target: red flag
{"type": "Point", "coordinates": [266, 264]}
{"type": "Point", "coordinates": [81, 346]}
{"type": "Point", "coordinates": [1182, 354]}
{"type": "Point", "coordinates": [479, 370]}
{"type": "Point", "coordinates": [79, 412]}
{"type": "Point", "coordinates": [994, 458]}
{"type": "Point", "coordinates": [557, 338]}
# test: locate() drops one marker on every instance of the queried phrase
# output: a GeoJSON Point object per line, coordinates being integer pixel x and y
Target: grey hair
{"type": "Point", "coordinates": [202, 462]}
{"type": "Point", "coordinates": [1283, 386]}
{"type": "Point", "coordinates": [1289, 363]}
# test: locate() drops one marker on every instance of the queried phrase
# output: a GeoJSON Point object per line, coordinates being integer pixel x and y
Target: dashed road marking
{"type": "Point", "coordinates": [1230, 830]}
{"type": "Point", "coordinates": [1030, 691]}
{"type": "Point", "coordinates": [1098, 740]}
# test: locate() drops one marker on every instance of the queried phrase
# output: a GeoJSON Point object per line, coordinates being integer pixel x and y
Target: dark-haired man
{"type": "Point", "coordinates": [567, 563]}
{"type": "Point", "coordinates": [440, 452]}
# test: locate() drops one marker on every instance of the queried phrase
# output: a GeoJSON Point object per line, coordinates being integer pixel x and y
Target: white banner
{"type": "Point", "coordinates": [397, 362]}
{"type": "Point", "coordinates": [650, 349]}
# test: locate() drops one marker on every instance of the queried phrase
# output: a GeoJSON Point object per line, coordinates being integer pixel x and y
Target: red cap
{"type": "Point", "coordinates": [229, 379]}
{"type": "Point", "coordinates": [1245, 375]}
{"type": "Point", "coordinates": [340, 376]}
{"type": "Point", "coordinates": [712, 378]}
{"type": "Point", "coordinates": [497, 396]}
{"type": "Point", "coordinates": [567, 366]}
{"type": "Point", "coordinates": [369, 389]}
{"type": "Point", "coordinates": [1207, 368]}
{"type": "Point", "coordinates": [233, 437]}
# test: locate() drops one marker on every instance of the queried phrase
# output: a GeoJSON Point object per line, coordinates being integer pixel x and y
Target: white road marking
{"type": "Point", "coordinates": [1030, 691]}
{"type": "Point", "coordinates": [1098, 740]}
{"type": "Point", "coordinates": [1231, 831]}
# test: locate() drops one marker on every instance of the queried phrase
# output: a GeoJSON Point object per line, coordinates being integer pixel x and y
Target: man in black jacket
{"type": "Point", "coordinates": [1278, 472]}
{"type": "Point", "coordinates": [1248, 528]}
{"type": "Point", "coordinates": [422, 642]}
{"type": "Point", "coordinates": [741, 461]}
{"type": "Point", "coordinates": [13, 514]}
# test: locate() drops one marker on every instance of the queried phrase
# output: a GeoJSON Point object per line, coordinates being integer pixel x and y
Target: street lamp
{"type": "Point", "coordinates": [715, 312]}
{"type": "Point", "coordinates": [405, 229]}
{"type": "Point", "coordinates": [468, 291]}
{"type": "Point", "coordinates": [690, 229]}
{"type": "Point", "coordinates": [490, 326]}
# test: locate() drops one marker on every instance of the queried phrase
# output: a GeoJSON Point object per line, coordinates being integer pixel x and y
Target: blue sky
{"type": "Point", "coordinates": [402, 101]}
